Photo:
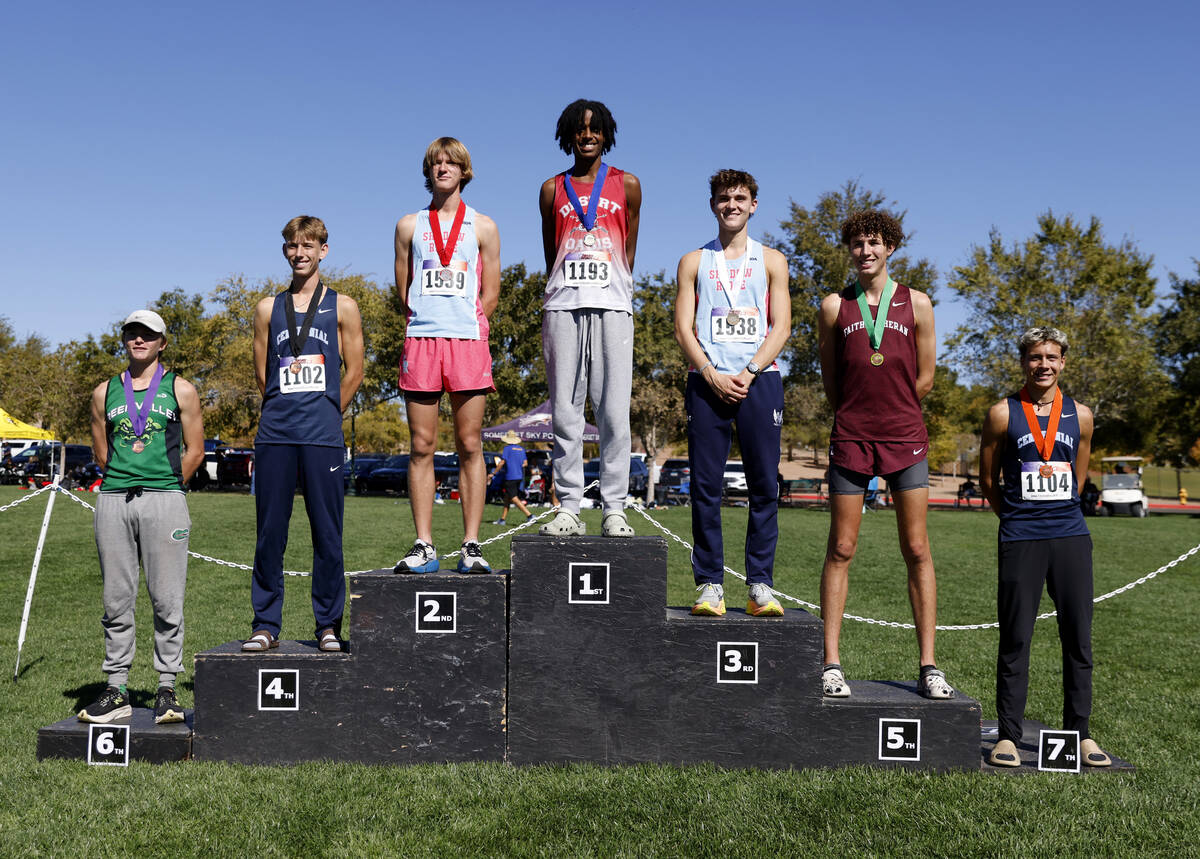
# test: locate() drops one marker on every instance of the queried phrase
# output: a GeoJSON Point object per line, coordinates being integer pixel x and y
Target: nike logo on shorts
{"type": "Point", "coordinates": [333, 468]}
{"type": "Point", "coordinates": [917, 451]}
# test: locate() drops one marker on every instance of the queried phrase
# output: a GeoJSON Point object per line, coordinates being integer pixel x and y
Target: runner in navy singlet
{"type": "Point", "coordinates": [1039, 441]}
{"type": "Point", "coordinates": [303, 337]}
{"type": "Point", "coordinates": [878, 349]}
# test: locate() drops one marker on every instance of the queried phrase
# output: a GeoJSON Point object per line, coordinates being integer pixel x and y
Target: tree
{"type": "Point", "coordinates": [1099, 294]}
{"type": "Point", "coordinates": [516, 342]}
{"type": "Point", "coordinates": [656, 413]}
{"type": "Point", "coordinates": [1177, 343]}
{"type": "Point", "coordinates": [818, 264]}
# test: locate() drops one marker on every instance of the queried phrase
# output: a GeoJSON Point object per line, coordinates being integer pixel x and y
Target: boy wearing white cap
{"type": "Point", "coordinates": [148, 433]}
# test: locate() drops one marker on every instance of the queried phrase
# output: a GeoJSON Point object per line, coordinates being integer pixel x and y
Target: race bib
{"type": "Point", "coordinates": [305, 373]}
{"type": "Point", "coordinates": [735, 325]}
{"type": "Point", "coordinates": [438, 279]}
{"type": "Point", "coordinates": [589, 268]}
{"type": "Point", "coordinates": [1046, 481]}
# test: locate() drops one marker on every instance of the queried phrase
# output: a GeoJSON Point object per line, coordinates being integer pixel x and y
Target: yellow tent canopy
{"type": "Point", "coordinates": [10, 427]}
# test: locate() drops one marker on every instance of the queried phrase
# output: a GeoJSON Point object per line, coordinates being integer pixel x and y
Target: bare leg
{"type": "Point", "coordinates": [844, 520]}
{"type": "Point", "coordinates": [911, 507]}
{"type": "Point", "coordinates": [422, 427]}
{"type": "Point", "coordinates": [467, 407]}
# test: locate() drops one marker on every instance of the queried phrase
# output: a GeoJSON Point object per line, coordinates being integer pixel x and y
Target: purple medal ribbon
{"type": "Point", "coordinates": [588, 218]}
{"type": "Point", "coordinates": [139, 416]}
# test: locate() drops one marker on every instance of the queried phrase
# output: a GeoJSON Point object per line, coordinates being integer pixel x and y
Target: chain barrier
{"type": "Point", "coordinates": [896, 624]}
{"type": "Point", "coordinates": [530, 522]}
{"type": "Point", "coordinates": [25, 498]}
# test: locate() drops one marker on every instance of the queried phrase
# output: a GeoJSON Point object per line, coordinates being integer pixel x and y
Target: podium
{"type": "Point", "coordinates": [572, 656]}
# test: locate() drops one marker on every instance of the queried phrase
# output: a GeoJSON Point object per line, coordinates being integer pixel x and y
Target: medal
{"type": "Point", "coordinates": [445, 250]}
{"type": "Point", "coordinates": [445, 277]}
{"type": "Point", "coordinates": [295, 366]}
{"type": "Point", "coordinates": [140, 415]}
{"type": "Point", "coordinates": [297, 339]}
{"type": "Point", "coordinates": [588, 218]}
{"type": "Point", "coordinates": [1046, 470]}
{"type": "Point", "coordinates": [138, 447]}
{"type": "Point", "coordinates": [731, 318]}
{"type": "Point", "coordinates": [1044, 442]}
{"type": "Point", "coordinates": [725, 282]}
{"type": "Point", "coordinates": [875, 327]}
{"type": "Point", "coordinates": [589, 241]}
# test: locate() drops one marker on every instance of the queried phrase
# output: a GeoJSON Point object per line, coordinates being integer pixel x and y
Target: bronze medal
{"type": "Point", "coordinates": [731, 318]}
{"type": "Point", "coordinates": [876, 359]}
{"type": "Point", "coordinates": [1046, 470]}
{"type": "Point", "coordinates": [589, 241]}
{"type": "Point", "coordinates": [296, 366]}
{"type": "Point", "coordinates": [138, 447]}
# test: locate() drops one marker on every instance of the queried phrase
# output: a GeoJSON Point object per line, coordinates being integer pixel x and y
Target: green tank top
{"type": "Point", "coordinates": [151, 460]}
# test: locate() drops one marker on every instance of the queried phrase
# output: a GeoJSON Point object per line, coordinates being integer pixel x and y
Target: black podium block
{"type": "Point", "coordinates": [422, 681]}
{"type": "Point", "coordinates": [584, 612]}
{"type": "Point", "coordinates": [156, 744]}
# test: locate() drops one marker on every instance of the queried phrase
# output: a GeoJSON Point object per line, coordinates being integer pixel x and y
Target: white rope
{"type": "Point", "coordinates": [638, 507]}
{"type": "Point", "coordinates": [896, 624]}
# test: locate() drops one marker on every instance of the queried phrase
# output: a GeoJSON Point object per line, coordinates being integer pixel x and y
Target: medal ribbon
{"type": "Point", "coordinates": [1045, 444]}
{"type": "Point", "coordinates": [588, 218]}
{"type": "Point", "coordinates": [298, 337]}
{"type": "Point", "coordinates": [139, 416]}
{"type": "Point", "coordinates": [875, 330]}
{"type": "Point", "coordinates": [445, 250]}
{"type": "Point", "coordinates": [731, 289]}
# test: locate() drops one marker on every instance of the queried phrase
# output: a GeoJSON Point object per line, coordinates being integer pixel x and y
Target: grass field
{"type": "Point", "coordinates": [1147, 710]}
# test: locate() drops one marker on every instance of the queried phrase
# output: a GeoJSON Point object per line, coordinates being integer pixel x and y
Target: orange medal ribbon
{"type": "Point", "coordinates": [1044, 443]}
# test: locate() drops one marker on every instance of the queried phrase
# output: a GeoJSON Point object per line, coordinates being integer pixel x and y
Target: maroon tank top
{"type": "Point", "coordinates": [877, 403]}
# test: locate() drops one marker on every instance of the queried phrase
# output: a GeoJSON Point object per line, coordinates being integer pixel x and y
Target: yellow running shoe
{"type": "Point", "coordinates": [711, 601]}
{"type": "Point", "coordinates": [762, 602]}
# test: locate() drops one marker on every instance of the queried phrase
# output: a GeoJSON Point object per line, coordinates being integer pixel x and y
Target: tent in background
{"type": "Point", "coordinates": [535, 425]}
{"type": "Point", "coordinates": [10, 427]}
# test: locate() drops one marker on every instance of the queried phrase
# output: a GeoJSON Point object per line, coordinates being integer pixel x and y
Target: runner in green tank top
{"type": "Point", "coordinates": [147, 430]}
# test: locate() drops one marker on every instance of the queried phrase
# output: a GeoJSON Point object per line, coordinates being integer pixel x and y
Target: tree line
{"type": "Point", "coordinates": [1136, 364]}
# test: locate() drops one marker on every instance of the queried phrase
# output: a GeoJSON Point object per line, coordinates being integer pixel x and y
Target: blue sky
{"type": "Point", "coordinates": [148, 146]}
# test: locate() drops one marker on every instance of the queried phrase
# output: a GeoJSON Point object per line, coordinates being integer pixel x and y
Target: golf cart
{"type": "Point", "coordinates": [1121, 487]}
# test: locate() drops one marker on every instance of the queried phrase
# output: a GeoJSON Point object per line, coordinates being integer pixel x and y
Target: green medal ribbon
{"type": "Point", "coordinates": [875, 329]}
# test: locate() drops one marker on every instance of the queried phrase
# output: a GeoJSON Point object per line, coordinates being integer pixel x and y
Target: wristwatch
{"type": "Point", "coordinates": [754, 369]}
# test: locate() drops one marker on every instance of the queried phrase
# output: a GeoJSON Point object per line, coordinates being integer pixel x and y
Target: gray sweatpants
{"type": "Point", "coordinates": [589, 353]}
{"type": "Point", "coordinates": [154, 528]}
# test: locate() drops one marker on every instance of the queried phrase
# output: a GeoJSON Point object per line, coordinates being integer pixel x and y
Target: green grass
{"type": "Point", "coordinates": [1146, 703]}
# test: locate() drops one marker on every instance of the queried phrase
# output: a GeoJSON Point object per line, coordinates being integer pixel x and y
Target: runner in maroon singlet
{"type": "Point", "coordinates": [878, 349]}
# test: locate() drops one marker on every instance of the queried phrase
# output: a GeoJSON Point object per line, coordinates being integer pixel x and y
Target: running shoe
{"type": "Point", "coordinates": [166, 706]}
{"type": "Point", "coordinates": [472, 560]}
{"type": "Point", "coordinates": [421, 558]}
{"type": "Point", "coordinates": [711, 602]}
{"type": "Point", "coordinates": [762, 602]}
{"type": "Point", "coordinates": [113, 704]}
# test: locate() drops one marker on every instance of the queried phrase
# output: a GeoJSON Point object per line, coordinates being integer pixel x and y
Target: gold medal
{"type": "Point", "coordinates": [296, 366]}
{"type": "Point", "coordinates": [1046, 470]}
{"type": "Point", "coordinates": [589, 241]}
{"type": "Point", "coordinates": [876, 358]}
{"type": "Point", "coordinates": [138, 447]}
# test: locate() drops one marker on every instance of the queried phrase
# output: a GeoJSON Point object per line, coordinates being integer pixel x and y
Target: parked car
{"type": "Point", "coordinates": [207, 472]}
{"type": "Point", "coordinates": [735, 478]}
{"type": "Point", "coordinates": [43, 458]}
{"type": "Point", "coordinates": [445, 470]}
{"type": "Point", "coordinates": [391, 475]}
{"type": "Point", "coordinates": [674, 484]}
{"type": "Point", "coordinates": [234, 466]}
{"type": "Point", "coordinates": [639, 476]}
{"type": "Point", "coordinates": [360, 466]}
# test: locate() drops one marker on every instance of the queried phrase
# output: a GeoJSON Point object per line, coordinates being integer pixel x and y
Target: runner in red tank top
{"type": "Point", "coordinates": [878, 350]}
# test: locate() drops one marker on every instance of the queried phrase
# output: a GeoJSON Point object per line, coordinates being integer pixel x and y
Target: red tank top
{"type": "Point", "coordinates": [877, 403]}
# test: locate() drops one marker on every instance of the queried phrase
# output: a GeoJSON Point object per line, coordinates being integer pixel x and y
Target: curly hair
{"type": "Point", "coordinates": [872, 222]}
{"type": "Point", "coordinates": [727, 180]}
{"type": "Point", "coordinates": [571, 120]}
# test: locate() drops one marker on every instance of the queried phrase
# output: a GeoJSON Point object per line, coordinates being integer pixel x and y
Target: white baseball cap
{"type": "Point", "coordinates": [148, 318]}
